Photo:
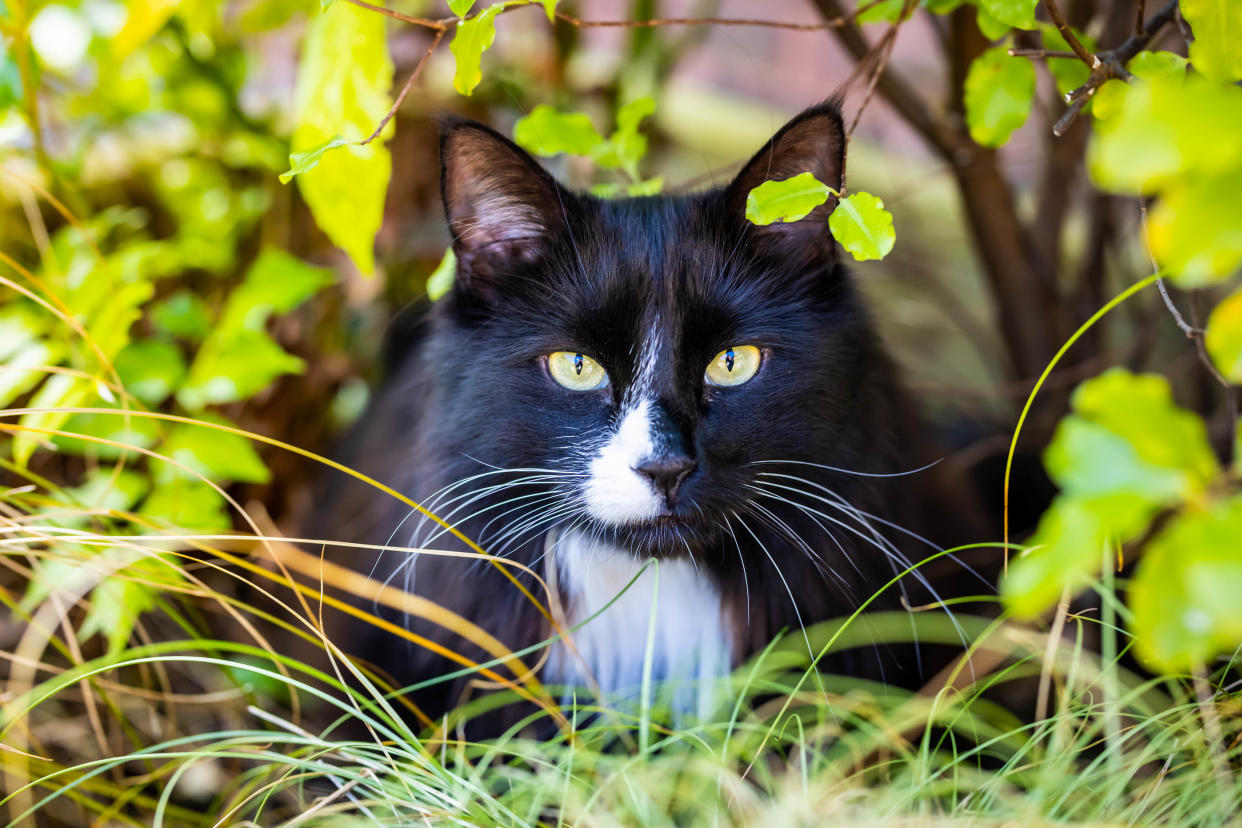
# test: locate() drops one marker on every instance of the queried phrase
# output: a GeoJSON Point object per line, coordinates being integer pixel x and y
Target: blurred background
{"type": "Point", "coordinates": [162, 126]}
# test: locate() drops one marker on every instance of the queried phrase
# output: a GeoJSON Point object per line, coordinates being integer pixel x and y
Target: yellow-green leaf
{"type": "Point", "coordinates": [1184, 593]}
{"type": "Point", "coordinates": [1017, 13]}
{"type": "Point", "coordinates": [301, 162]}
{"type": "Point", "coordinates": [474, 37]}
{"type": "Point", "coordinates": [789, 199]}
{"type": "Point", "coordinates": [343, 90]}
{"type": "Point", "coordinates": [1224, 337]}
{"type": "Point", "coordinates": [999, 90]}
{"type": "Point", "coordinates": [1216, 50]}
{"type": "Point", "coordinates": [1195, 229]}
{"type": "Point", "coordinates": [461, 8]}
{"type": "Point", "coordinates": [862, 226]}
{"type": "Point", "coordinates": [548, 132]}
{"type": "Point", "coordinates": [440, 282]}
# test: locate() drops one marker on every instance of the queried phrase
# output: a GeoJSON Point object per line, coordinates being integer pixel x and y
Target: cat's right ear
{"type": "Point", "coordinates": [502, 207]}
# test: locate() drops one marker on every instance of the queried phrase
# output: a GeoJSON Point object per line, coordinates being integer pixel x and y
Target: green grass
{"type": "Point", "coordinates": [187, 730]}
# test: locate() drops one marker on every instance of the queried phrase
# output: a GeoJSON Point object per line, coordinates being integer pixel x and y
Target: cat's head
{"type": "Point", "coordinates": [653, 356]}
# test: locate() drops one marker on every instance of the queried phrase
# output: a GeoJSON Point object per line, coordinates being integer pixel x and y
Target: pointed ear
{"type": "Point", "coordinates": [813, 142]}
{"type": "Point", "coordinates": [502, 207]}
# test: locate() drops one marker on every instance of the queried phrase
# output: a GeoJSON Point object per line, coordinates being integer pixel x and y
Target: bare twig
{"type": "Point", "coordinates": [405, 90]}
{"type": "Point", "coordinates": [1042, 53]}
{"type": "Point", "coordinates": [1138, 17]}
{"type": "Point", "coordinates": [1194, 333]}
{"type": "Point", "coordinates": [1067, 33]}
{"type": "Point", "coordinates": [443, 24]}
{"type": "Point", "coordinates": [1105, 66]}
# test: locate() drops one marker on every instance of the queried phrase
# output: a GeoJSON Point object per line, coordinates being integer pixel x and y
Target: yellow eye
{"type": "Point", "coordinates": [733, 366]}
{"type": "Point", "coordinates": [577, 372]}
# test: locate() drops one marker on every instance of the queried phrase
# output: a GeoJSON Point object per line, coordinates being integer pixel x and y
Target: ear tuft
{"type": "Point", "coordinates": [814, 142]}
{"type": "Point", "coordinates": [501, 205]}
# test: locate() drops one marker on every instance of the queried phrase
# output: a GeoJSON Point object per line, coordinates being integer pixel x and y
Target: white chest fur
{"type": "Point", "coordinates": [688, 634]}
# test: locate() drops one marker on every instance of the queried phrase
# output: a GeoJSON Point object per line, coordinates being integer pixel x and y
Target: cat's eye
{"type": "Point", "coordinates": [577, 372]}
{"type": "Point", "coordinates": [733, 366]}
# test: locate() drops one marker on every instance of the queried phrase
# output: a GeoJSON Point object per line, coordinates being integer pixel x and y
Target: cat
{"type": "Point", "coordinates": [615, 382]}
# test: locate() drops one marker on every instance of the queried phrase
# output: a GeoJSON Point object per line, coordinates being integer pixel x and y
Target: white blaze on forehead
{"type": "Point", "coordinates": [615, 493]}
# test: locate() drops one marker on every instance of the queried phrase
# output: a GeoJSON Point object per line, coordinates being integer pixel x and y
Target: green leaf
{"type": "Point", "coordinates": [790, 199]}
{"type": "Point", "coordinates": [992, 28]}
{"type": "Point", "coordinates": [885, 11]}
{"type": "Point", "coordinates": [219, 456]}
{"type": "Point", "coordinates": [1165, 132]}
{"type": "Point", "coordinates": [1017, 13]}
{"type": "Point", "coordinates": [863, 227]}
{"type": "Point", "coordinates": [104, 489]}
{"type": "Point", "coordinates": [140, 432]}
{"type": "Point", "coordinates": [343, 90]}
{"type": "Point", "coordinates": [150, 369]}
{"type": "Point", "coordinates": [1125, 434]}
{"type": "Point", "coordinates": [182, 315]}
{"type": "Point", "coordinates": [275, 283]}
{"type": "Point", "coordinates": [549, 8]}
{"type": "Point", "coordinates": [999, 90]}
{"type": "Point", "coordinates": [650, 187]}
{"type": "Point", "coordinates": [461, 8]}
{"type": "Point", "coordinates": [126, 593]}
{"type": "Point", "coordinates": [234, 367]}
{"type": "Point", "coordinates": [17, 377]}
{"type": "Point", "coordinates": [1195, 229]}
{"type": "Point", "coordinates": [301, 162]}
{"type": "Point", "coordinates": [1184, 593]}
{"type": "Point", "coordinates": [1066, 548]}
{"type": "Point", "coordinates": [440, 282]}
{"type": "Point", "coordinates": [474, 37]}
{"type": "Point", "coordinates": [1150, 66]}
{"type": "Point", "coordinates": [1124, 453]}
{"type": "Point", "coordinates": [1224, 337]}
{"type": "Point", "coordinates": [548, 132]}
{"type": "Point", "coordinates": [627, 146]}
{"type": "Point", "coordinates": [1216, 50]}
{"type": "Point", "coordinates": [187, 504]}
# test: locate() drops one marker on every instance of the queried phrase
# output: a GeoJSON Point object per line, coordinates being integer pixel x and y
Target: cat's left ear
{"type": "Point", "coordinates": [502, 207]}
{"type": "Point", "coordinates": [813, 142]}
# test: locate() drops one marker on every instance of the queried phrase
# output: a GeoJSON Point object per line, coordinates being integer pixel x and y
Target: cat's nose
{"type": "Point", "coordinates": [666, 473]}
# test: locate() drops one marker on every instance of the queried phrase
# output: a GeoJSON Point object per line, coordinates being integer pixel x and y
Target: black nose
{"type": "Point", "coordinates": [666, 473]}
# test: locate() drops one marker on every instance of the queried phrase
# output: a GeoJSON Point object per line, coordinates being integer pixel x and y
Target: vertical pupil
{"type": "Point", "coordinates": [729, 359]}
{"type": "Point", "coordinates": [577, 363]}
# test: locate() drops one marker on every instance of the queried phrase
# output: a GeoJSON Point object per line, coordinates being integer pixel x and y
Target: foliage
{"type": "Point", "coordinates": [134, 337]}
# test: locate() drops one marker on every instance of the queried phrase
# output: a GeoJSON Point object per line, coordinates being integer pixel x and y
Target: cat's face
{"type": "Point", "coordinates": [651, 355]}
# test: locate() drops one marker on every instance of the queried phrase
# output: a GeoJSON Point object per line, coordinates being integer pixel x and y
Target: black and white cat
{"type": "Point", "coordinates": [612, 381]}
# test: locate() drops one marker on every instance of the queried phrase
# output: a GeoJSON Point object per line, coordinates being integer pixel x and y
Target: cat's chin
{"type": "Point", "coordinates": [666, 536]}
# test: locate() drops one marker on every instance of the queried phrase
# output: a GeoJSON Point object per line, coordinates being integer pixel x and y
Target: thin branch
{"type": "Point", "coordinates": [1194, 333]}
{"type": "Point", "coordinates": [1067, 33]}
{"type": "Point", "coordinates": [1138, 17]}
{"type": "Point", "coordinates": [405, 90]}
{"type": "Point", "coordinates": [1105, 66]}
{"type": "Point", "coordinates": [440, 25]}
{"type": "Point", "coordinates": [1042, 53]}
{"type": "Point", "coordinates": [443, 24]}
{"type": "Point", "coordinates": [909, 104]}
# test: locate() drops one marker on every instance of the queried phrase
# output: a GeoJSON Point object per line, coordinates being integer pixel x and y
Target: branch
{"type": "Point", "coordinates": [405, 90]}
{"type": "Point", "coordinates": [1110, 65]}
{"type": "Point", "coordinates": [909, 104]}
{"type": "Point", "coordinates": [443, 24]}
{"type": "Point", "coordinates": [1067, 33]}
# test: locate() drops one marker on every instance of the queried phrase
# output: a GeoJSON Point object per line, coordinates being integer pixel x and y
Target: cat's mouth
{"type": "Point", "coordinates": [666, 535]}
